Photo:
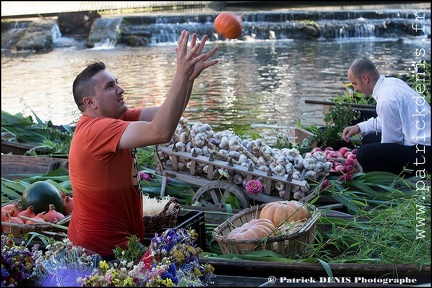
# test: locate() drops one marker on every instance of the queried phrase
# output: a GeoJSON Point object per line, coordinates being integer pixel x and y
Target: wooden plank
{"type": "Point", "coordinates": [330, 103]}
{"type": "Point", "coordinates": [299, 269]}
{"type": "Point", "coordinates": [13, 166]}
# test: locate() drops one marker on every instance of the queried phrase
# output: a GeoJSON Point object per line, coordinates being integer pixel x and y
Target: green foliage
{"type": "Point", "coordinates": [391, 223]}
{"type": "Point", "coordinates": [283, 141]}
{"type": "Point", "coordinates": [145, 157]}
{"type": "Point", "coordinates": [366, 191]}
{"type": "Point", "coordinates": [350, 96]}
{"type": "Point", "coordinates": [133, 252]}
{"type": "Point", "coordinates": [339, 117]}
{"type": "Point", "coordinates": [19, 129]}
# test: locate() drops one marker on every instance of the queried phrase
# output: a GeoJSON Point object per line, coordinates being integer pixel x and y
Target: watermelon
{"type": "Point", "coordinates": [39, 195]}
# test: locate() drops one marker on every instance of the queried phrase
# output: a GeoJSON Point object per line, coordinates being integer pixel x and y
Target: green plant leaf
{"type": "Point", "coordinates": [327, 268]}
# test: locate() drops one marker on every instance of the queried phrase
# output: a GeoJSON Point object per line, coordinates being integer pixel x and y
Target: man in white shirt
{"type": "Point", "coordinates": [404, 122]}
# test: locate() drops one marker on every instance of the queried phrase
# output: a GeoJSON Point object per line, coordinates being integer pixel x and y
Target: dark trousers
{"type": "Point", "coordinates": [375, 156]}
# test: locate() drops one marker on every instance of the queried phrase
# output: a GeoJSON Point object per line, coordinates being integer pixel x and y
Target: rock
{"type": "Point", "coordinates": [135, 41]}
{"type": "Point", "coordinates": [77, 23]}
{"type": "Point", "coordinates": [311, 29]}
{"type": "Point", "coordinates": [38, 36]}
{"type": "Point", "coordinates": [104, 30]}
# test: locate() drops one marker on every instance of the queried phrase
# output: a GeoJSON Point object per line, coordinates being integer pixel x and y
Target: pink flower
{"type": "Point", "coordinates": [254, 187]}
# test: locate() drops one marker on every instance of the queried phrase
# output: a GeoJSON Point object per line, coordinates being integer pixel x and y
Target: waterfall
{"type": "Point", "coordinates": [288, 25]}
{"type": "Point", "coordinates": [55, 32]}
{"type": "Point", "coordinates": [107, 32]}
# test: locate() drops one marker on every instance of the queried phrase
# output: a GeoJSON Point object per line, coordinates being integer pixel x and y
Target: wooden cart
{"type": "Point", "coordinates": [214, 193]}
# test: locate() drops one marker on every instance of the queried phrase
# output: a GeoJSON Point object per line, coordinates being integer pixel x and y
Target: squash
{"type": "Point", "coordinates": [40, 195]}
{"type": "Point", "coordinates": [281, 211]}
{"type": "Point", "coordinates": [251, 230]}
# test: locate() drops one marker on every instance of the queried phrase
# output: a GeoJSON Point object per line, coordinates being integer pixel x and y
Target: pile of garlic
{"type": "Point", "coordinates": [154, 206]}
{"type": "Point", "coordinates": [201, 140]}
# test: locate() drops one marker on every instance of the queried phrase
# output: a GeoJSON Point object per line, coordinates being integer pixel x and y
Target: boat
{"type": "Point", "coordinates": [301, 274]}
{"type": "Point", "coordinates": [9, 147]}
{"type": "Point", "coordinates": [18, 166]}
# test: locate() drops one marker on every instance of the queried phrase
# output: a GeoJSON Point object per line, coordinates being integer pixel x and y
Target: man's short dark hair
{"type": "Point", "coordinates": [83, 85]}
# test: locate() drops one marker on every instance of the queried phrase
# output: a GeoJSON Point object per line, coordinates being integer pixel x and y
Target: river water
{"type": "Point", "coordinates": [259, 87]}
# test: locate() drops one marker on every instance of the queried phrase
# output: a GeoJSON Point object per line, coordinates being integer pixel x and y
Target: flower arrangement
{"type": "Point", "coordinates": [171, 259]}
{"type": "Point", "coordinates": [62, 263]}
{"type": "Point", "coordinates": [17, 262]}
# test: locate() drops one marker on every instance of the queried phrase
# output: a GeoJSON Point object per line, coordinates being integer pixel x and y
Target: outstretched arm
{"type": "Point", "coordinates": [190, 63]}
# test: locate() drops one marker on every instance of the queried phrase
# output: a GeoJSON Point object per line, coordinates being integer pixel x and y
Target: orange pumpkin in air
{"type": "Point", "coordinates": [229, 25]}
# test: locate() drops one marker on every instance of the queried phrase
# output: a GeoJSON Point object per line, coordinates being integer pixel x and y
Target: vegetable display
{"type": "Point", "coordinates": [39, 195]}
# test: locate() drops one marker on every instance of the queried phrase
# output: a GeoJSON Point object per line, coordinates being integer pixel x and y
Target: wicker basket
{"type": "Point", "coordinates": [49, 229]}
{"type": "Point", "coordinates": [286, 245]}
{"type": "Point", "coordinates": [167, 218]}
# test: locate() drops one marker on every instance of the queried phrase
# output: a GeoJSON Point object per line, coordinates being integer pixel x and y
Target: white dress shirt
{"type": "Point", "coordinates": [404, 117]}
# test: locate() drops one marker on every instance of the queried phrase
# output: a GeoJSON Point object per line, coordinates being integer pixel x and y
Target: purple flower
{"type": "Point", "coordinates": [325, 184]}
{"type": "Point", "coordinates": [254, 187]}
{"type": "Point", "coordinates": [146, 176]}
{"type": "Point", "coordinates": [17, 262]}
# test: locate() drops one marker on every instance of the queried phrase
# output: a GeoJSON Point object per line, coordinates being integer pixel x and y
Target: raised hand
{"type": "Point", "coordinates": [202, 64]}
{"type": "Point", "coordinates": [194, 56]}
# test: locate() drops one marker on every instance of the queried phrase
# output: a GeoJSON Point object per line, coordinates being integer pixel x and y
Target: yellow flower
{"type": "Point", "coordinates": [103, 265]}
{"type": "Point", "coordinates": [128, 282]}
{"type": "Point", "coordinates": [208, 268]}
{"type": "Point", "coordinates": [191, 250]}
{"type": "Point", "coordinates": [167, 282]}
{"type": "Point", "coordinates": [179, 256]}
{"type": "Point", "coordinates": [197, 272]}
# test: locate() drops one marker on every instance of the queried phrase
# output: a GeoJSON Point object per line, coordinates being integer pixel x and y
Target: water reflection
{"type": "Point", "coordinates": [263, 83]}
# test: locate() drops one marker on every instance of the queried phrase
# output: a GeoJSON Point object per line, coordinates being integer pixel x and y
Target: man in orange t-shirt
{"type": "Point", "coordinates": [102, 160]}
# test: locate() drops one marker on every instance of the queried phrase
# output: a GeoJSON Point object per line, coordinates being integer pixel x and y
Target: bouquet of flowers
{"type": "Point", "coordinates": [62, 264]}
{"type": "Point", "coordinates": [17, 262]}
{"type": "Point", "coordinates": [171, 259]}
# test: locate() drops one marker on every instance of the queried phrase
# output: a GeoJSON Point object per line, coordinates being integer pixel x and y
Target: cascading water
{"type": "Point", "coordinates": [262, 79]}
{"type": "Point", "coordinates": [317, 25]}
{"type": "Point", "coordinates": [289, 25]}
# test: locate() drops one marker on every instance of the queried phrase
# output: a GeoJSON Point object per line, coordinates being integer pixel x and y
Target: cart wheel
{"type": "Point", "coordinates": [214, 194]}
